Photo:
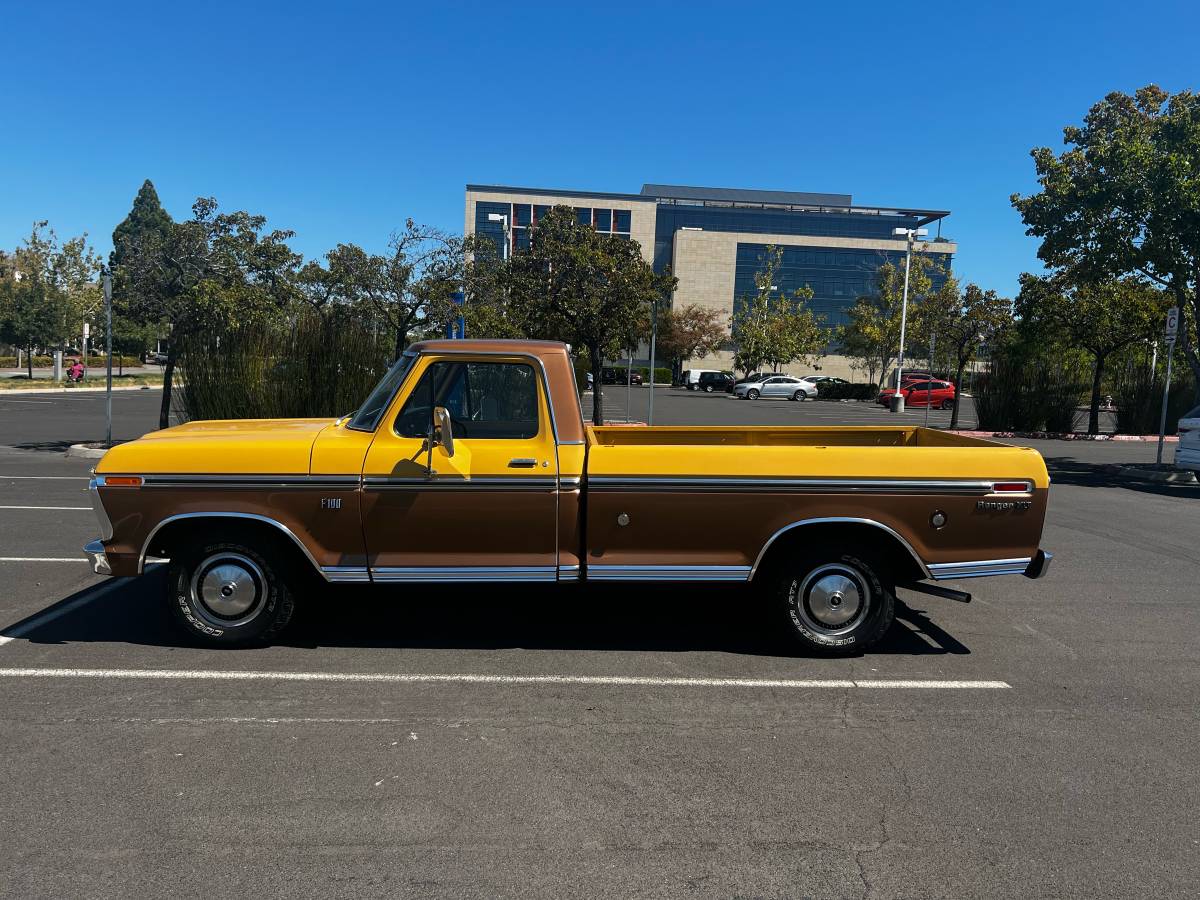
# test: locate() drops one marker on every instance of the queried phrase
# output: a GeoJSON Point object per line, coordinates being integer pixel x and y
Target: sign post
{"type": "Point", "coordinates": [108, 351]}
{"type": "Point", "coordinates": [1170, 333]}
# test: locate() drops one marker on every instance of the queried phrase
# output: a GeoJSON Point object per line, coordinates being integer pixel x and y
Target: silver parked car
{"type": "Point", "coordinates": [776, 387]}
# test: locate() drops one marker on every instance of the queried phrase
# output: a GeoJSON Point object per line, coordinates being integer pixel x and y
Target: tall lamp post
{"type": "Point", "coordinates": [500, 217]}
{"type": "Point", "coordinates": [108, 351]}
{"type": "Point", "coordinates": [653, 341]}
{"type": "Point", "coordinates": [910, 234]}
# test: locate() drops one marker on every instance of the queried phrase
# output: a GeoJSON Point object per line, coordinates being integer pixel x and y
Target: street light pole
{"type": "Point", "coordinates": [653, 340]}
{"type": "Point", "coordinates": [909, 233]}
{"type": "Point", "coordinates": [500, 217]}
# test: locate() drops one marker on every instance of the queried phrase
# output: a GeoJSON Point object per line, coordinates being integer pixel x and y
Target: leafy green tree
{"type": "Point", "coordinates": [204, 272]}
{"type": "Point", "coordinates": [591, 290]}
{"type": "Point", "coordinates": [689, 331]}
{"type": "Point", "coordinates": [1124, 198]}
{"type": "Point", "coordinates": [962, 323]}
{"type": "Point", "coordinates": [49, 290]}
{"type": "Point", "coordinates": [1099, 318]}
{"type": "Point", "coordinates": [872, 336]}
{"type": "Point", "coordinates": [773, 329]}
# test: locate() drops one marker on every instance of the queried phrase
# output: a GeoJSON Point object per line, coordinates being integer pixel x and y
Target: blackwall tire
{"type": "Point", "coordinates": [751, 395]}
{"type": "Point", "coordinates": [229, 594]}
{"type": "Point", "coordinates": [708, 389]}
{"type": "Point", "coordinates": [834, 602]}
{"type": "Point", "coordinates": [799, 396]}
{"type": "Point", "coordinates": [947, 404]}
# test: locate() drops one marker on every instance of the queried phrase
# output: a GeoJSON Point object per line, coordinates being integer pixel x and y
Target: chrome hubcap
{"type": "Point", "coordinates": [833, 598]}
{"type": "Point", "coordinates": [228, 587]}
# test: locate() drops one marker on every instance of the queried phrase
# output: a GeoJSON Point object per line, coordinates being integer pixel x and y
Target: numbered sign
{"type": "Point", "coordinates": [1172, 328]}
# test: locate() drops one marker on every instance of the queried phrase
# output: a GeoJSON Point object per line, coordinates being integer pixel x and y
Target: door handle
{"type": "Point", "coordinates": [522, 463]}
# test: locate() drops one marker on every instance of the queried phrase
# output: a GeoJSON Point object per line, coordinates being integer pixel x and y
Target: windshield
{"type": "Point", "coordinates": [369, 413]}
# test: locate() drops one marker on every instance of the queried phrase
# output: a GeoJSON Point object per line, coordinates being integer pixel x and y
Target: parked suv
{"type": "Point", "coordinates": [715, 381]}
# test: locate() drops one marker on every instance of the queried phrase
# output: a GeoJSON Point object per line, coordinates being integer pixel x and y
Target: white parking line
{"type": "Point", "coordinates": [44, 478]}
{"type": "Point", "coordinates": [463, 678]}
{"type": "Point", "coordinates": [77, 508]}
{"type": "Point", "coordinates": [72, 559]}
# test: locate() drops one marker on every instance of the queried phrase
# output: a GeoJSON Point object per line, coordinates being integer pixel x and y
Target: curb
{"type": "Point", "coordinates": [85, 452]}
{"type": "Point", "coordinates": [1179, 476]}
{"type": "Point", "coordinates": [1066, 436]}
{"type": "Point", "coordinates": [78, 390]}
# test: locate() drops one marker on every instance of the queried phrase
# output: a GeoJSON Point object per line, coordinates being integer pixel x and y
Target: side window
{"type": "Point", "coordinates": [485, 400]}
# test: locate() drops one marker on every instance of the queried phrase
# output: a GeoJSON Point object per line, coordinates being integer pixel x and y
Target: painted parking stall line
{"type": "Point", "coordinates": [519, 680]}
{"type": "Point", "coordinates": [71, 508]}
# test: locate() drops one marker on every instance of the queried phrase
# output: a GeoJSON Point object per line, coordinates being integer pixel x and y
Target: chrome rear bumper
{"type": "Point", "coordinates": [1039, 565]}
{"type": "Point", "coordinates": [94, 551]}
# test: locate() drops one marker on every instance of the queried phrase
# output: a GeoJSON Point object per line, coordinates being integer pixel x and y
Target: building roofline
{"type": "Point", "coordinates": [556, 192]}
{"type": "Point", "coordinates": [923, 216]}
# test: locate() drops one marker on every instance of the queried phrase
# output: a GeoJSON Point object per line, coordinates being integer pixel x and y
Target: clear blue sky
{"type": "Point", "coordinates": [339, 120]}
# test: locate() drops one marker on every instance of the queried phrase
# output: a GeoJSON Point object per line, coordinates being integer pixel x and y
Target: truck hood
{"type": "Point", "coordinates": [219, 447]}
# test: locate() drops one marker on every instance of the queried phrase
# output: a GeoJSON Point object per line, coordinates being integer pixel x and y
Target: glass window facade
{"type": "Point", "coordinates": [616, 222]}
{"type": "Point", "coordinates": [837, 277]}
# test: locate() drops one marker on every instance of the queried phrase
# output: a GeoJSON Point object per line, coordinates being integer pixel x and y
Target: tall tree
{"type": "Point", "coordinates": [770, 328]}
{"type": "Point", "coordinates": [872, 336]}
{"type": "Point", "coordinates": [591, 290]}
{"type": "Point", "coordinates": [690, 331]}
{"type": "Point", "coordinates": [203, 272]}
{"type": "Point", "coordinates": [1099, 318]}
{"type": "Point", "coordinates": [49, 290]}
{"type": "Point", "coordinates": [962, 324]}
{"type": "Point", "coordinates": [1124, 198]}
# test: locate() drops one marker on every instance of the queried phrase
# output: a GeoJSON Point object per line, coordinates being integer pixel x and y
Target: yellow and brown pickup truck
{"type": "Point", "coordinates": [471, 462]}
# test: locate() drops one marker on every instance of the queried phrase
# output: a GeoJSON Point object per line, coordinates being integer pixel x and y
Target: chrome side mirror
{"type": "Point", "coordinates": [443, 433]}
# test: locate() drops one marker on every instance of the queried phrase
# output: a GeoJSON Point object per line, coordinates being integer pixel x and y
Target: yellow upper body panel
{"type": "Point", "coordinates": [237, 446]}
{"type": "Point", "coordinates": [844, 452]}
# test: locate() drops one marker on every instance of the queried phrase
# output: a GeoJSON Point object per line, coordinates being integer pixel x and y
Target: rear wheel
{"type": "Point", "coordinates": [229, 594]}
{"type": "Point", "coordinates": [834, 601]}
{"type": "Point", "coordinates": [799, 396]}
{"type": "Point", "coordinates": [751, 394]}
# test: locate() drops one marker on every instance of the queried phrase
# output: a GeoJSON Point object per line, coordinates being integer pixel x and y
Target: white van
{"type": "Point", "coordinates": [691, 378]}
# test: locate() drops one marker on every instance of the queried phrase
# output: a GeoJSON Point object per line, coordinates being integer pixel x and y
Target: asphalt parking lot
{"type": "Point", "coordinates": [469, 742]}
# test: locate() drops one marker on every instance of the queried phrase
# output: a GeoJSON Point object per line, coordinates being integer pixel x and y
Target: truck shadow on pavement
{"type": "Point", "coordinates": [478, 617]}
{"type": "Point", "coordinates": [1068, 470]}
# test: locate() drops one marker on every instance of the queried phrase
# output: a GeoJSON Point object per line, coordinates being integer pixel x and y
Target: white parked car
{"type": "Point", "coordinates": [775, 387]}
{"type": "Point", "coordinates": [1187, 451]}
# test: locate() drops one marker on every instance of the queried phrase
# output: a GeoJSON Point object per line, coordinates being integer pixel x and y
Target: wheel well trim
{"type": "Point", "coordinates": [253, 517]}
{"type": "Point", "coordinates": [840, 520]}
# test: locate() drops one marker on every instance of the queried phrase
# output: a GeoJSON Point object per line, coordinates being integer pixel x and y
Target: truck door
{"type": "Point", "coordinates": [489, 511]}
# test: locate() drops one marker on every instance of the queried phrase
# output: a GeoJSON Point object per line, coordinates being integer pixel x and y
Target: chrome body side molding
{"type": "Point", "coordinates": [346, 574]}
{"type": "Point", "coordinates": [441, 483]}
{"type": "Point", "coordinates": [392, 574]}
{"type": "Point", "coordinates": [972, 487]}
{"type": "Point", "coordinates": [979, 568]}
{"type": "Point", "coordinates": [253, 482]}
{"type": "Point", "coordinates": [668, 573]}
{"type": "Point", "coordinates": [842, 520]}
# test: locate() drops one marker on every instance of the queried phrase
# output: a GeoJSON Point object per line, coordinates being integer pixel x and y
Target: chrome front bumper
{"type": "Point", "coordinates": [94, 551]}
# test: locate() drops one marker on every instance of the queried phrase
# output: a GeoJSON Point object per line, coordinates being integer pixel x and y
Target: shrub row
{"type": "Point", "coordinates": [1138, 399]}
{"type": "Point", "coordinates": [662, 375]}
{"type": "Point", "coordinates": [1029, 394]}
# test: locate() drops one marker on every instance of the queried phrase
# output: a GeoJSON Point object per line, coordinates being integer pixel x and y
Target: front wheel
{"type": "Point", "coordinates": [228, 594]}
{"type": "Point", "coordinates": [751, 395]}
{"type": "Point", "coordinates": [834, 601]}
{"type": "Point", "coordinates": [947, 404]}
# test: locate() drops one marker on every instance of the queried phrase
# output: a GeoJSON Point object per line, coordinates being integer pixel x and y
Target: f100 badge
{"type": "Point", "coordinates": [1002, 505]}
{"type": "Point", "coordinates": [331, 503]}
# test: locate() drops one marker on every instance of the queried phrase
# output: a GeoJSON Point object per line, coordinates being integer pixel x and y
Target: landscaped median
{"type": "Point", "coordinates": [95, 383]}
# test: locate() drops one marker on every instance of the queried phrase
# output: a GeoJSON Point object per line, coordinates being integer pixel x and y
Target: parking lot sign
{"type": "Point", "coordinates": [1172, 328]}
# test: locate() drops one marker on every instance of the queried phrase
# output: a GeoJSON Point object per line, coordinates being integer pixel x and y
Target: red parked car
{"type": "Point", "coordinates": [938, 394]}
